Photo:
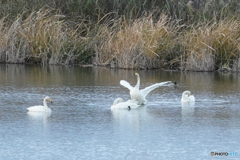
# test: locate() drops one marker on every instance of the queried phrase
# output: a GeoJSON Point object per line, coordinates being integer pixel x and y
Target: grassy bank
{"type": "Point", "coordinates": [42, 37]}
{"type": "Point", "coordinates": [186, 35]}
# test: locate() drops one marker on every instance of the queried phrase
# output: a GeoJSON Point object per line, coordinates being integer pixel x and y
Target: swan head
{"type": "Point", "coordinates": [136, 74]}
{"type": "Point", "coordinates": [47, 98]}
{"type": "Point", "coordinates": [186, 93]}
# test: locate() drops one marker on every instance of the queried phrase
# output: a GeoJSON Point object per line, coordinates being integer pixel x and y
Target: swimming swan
{"type": "Point", "coordinates": [187, 97]}
{"type": "Point", "coordinates": [120, 104]}
{"type": "Point", "coordinates": [40, 108]}
{"type": "Point", "coordinates": [140, 95]}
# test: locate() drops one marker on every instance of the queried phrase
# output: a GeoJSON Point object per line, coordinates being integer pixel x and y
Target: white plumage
{"type": "Point", "coordinates": [41, 108]}
{"type": "Point", "coordinates": [120, 104]}
{"type": "Point", "coordinates": [187, 97]}
{"type": "Point", "coordinates": [140, 95]}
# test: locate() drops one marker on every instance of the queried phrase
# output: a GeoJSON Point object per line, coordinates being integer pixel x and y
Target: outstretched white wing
{"type": "Point", "coordinates": [146, 90]}
{"type": "Point", "coordinates": [126, 84]}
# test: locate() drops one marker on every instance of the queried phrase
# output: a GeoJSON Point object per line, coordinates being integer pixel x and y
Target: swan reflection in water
{"type": "Point", "coordinates": [131, 117]}
{"type": "Point", "coordinates": [39, 117]}
{"type": "Point", "coordinates": [188, 113]}
{"type": "Point", "coordinates": [188, 109]}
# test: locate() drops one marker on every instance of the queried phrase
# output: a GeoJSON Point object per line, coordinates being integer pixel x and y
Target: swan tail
{"type": "Point", "coordinates": [126, 84]}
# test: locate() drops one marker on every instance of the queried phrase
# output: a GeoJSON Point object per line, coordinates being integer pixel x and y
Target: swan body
{"type": "Point", "coordinates": [187, 97]}
{"type": "Point", "coordinates": [41, 108]}
{"type": "Point", "coordinates": [140, 95]}
{"type": "Point", "coordinates": [120, 104]}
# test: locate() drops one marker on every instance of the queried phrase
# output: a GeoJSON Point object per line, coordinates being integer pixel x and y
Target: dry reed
{"type": "Point", "coordinates": [42, 37]}
{"type": "Point", "coordinates": [209, 47]}
{"type": "Point", "coordinates": [141, 44]}
{"type": "Point", "coordinates": [226, 39]}
{"type": "Point", "coordinates": [192, 35]}
{"type": "Point", "coordinates": [198, 53]}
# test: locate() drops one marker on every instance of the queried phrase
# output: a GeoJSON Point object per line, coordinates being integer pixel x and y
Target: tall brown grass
{"type": "Point", "coordinates": [139, 34]}
{"type": "Point", "coordinates": [42, 37]}
{"type": "Point", "coordinates": [141, 44]}
{"type": "Point", "coordinates": [145, 44]}
{"type": "Point", "coordinates": [198, 52]}
{"type": "Point", "coordinates": [226, 40]}
{"type": "Point", "coordinates": [209, 47]}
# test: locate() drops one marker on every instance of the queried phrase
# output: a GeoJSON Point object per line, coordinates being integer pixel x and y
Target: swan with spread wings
{"type": "Point", "coordinates": [140, 95]}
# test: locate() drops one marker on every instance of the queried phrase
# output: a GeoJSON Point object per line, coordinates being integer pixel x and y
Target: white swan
{"type": "Point", "coordinates": [187, 97]}
{"type": "Point", "coordinates": [120, 104]}
{"type": "Point", "coordinates": [140, 95]}
{"type": "Point", "coordinates": [40, 108]}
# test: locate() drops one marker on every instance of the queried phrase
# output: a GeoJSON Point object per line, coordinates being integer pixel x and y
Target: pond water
{"type": "Point", "coordinates": [82, 125]}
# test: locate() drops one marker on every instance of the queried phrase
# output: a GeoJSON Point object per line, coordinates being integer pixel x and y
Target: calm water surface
{"type": "Point", "coordinates": [82, 125]}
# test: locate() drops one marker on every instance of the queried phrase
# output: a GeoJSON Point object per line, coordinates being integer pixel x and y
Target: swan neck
{"type": "Point", "coordinates": [45, 103]}
{"type": "Point", "coordinates": [138, 82]}
{"type": "Point", "coordinates": [117, 101]}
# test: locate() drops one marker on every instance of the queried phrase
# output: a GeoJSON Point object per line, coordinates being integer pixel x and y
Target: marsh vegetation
{"type": "Point", "coordinates": [139, 34]}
